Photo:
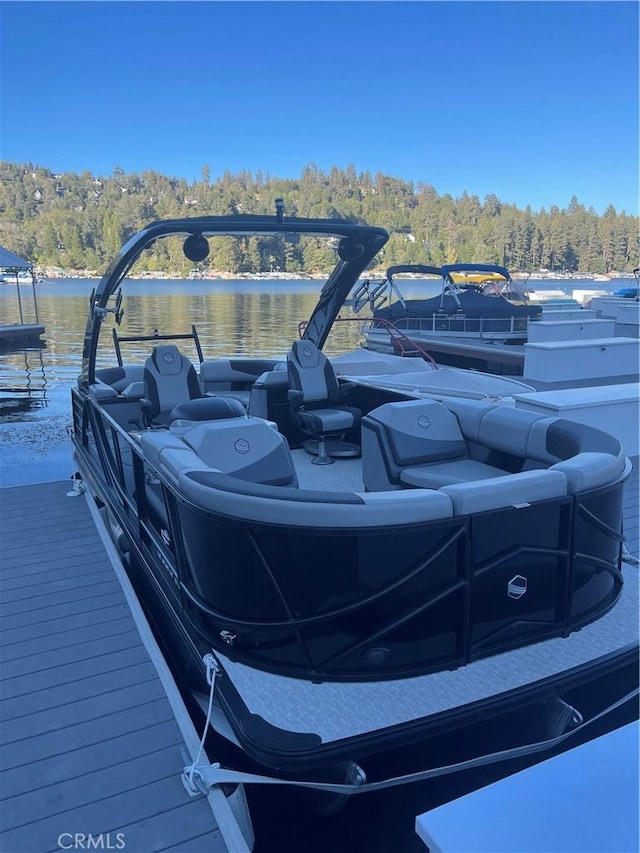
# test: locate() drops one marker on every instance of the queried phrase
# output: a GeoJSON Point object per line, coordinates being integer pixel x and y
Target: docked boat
{"type": "Point", "coordinates": [477, 303]}
{"type": "Point", "coordinates": [352, 577]}
{"type": "Point", "coordinates": [630, 292]}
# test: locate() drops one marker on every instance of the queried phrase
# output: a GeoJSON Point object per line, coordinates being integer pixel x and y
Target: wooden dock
{"type": "Point", "coordinates": [92, 723]}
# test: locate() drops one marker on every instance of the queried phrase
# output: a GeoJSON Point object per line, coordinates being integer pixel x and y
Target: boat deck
{"type": "Point", "coordinates": [494, 358]}
{"type": "Point", "coordinates": [92, 725]}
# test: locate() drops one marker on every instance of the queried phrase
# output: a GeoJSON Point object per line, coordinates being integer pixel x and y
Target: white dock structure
{"type": "Point", "coordinates": [94, 731]}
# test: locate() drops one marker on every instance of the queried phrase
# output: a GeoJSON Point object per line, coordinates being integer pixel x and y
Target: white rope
{"type": "Point", "coordinates": [627, 557]}
{"type": "Point", "coordinates": [78, 485]}
{"type": "Point", "coordinates": [214, 774]}
{"type": "Point", "coordinates": [212, 671]}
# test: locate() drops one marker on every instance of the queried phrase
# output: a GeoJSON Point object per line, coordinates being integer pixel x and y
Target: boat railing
{"type": "Point", "coordinates": [402, 343]}
{"type": "Point", "coordinates": [485, 327]}
{"type": "Point", "coordinates": [156, 336]}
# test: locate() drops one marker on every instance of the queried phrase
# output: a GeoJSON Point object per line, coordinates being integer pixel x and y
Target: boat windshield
{"type": "Point", "coordinates": [485, 279]}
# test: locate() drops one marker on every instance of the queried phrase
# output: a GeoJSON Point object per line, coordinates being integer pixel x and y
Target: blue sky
{"type": "Point", "coordinates": [532, 101]}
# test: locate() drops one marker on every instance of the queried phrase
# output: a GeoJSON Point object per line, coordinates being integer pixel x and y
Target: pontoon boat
{"type": "Point", "coordinates": [350, 571]}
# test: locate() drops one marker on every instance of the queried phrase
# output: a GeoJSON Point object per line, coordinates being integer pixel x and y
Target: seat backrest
{"type": "Point", "coordinates": [420, 431]}
{"type": "Point", "coordinates": [398, 435]}
{"type": "Point", "coordinates": [169, 378]}
{"type": "Point", "coordinates": [312, 374]}
{"type": "Point", "coordinates": [247, 448]}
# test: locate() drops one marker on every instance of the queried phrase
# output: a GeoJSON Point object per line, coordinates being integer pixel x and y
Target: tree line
{"type": "Point", "coordinates": [78, 221]}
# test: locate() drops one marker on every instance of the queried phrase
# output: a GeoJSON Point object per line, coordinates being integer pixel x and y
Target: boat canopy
{"type": "Point", "coordinates": [12, 262]}
{"type": "Point", "coordinates": [448, 271]}
{"type": "Point", "coordinates": [412, 268]}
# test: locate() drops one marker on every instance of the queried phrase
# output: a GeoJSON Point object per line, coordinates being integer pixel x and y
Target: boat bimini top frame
{"type": "Point", "coordinates": [357, 245]}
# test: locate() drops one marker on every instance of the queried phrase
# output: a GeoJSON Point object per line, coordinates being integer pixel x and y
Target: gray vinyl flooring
{"type": "Point", "coordinates": [88, 740]}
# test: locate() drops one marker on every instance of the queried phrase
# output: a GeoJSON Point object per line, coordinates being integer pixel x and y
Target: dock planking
{"type": "Point", "coordinates": [89, 742]}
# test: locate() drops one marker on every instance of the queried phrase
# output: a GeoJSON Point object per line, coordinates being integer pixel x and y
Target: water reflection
{"type": "Point", "coordinates": [23, 381]}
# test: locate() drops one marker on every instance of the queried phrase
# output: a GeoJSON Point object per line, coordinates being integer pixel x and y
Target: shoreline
{"type": "Point", "coordinates": [159, 275]}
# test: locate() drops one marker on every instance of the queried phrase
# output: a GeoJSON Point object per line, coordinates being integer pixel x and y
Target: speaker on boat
{"type": "Point", "coordinates": [196, 248]}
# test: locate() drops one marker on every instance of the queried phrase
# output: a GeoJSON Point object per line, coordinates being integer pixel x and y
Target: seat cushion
{"type": "Point", "coordinates": [207, 409]}
{"type": "Point", "coordinates": [447, 473]}
{"type": "Point", "coordinates": [515, 490]}
{"type": "Point", "coordinates": [321, 421]}
{"type": "Point", "coordinates": [591, 470]}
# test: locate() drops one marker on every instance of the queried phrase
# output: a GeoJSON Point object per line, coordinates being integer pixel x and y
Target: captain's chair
{"type": "Point", "coordinates": [169, 379]}
{"type": "Point", "coordinates": [317, 403]}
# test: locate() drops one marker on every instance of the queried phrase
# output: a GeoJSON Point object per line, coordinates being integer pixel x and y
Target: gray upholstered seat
{"type": "Point", "coordinates": [417, 443]}
{"type": "Point", "coordinates": [169, 379]}
{"type": "Point", "coordinates": [315, 396]}
{"type": "Point", "coordinates": [245, 448]}
{"type": "Point", "coordinates": [206, 409]}
{"type": "Point", "coordinates": [434, 475]}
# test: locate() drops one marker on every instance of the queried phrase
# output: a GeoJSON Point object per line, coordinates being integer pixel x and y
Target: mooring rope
{"type": "Point", "coordinates": [212, 671]}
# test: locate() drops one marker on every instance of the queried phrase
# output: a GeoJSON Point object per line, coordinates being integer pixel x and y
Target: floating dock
{"type": "Point", "coordinates": [94, 731]}
{"type": "Point", "coordinates": [573, 806]}
{"type": "Point", "coordinates": [21, 335]}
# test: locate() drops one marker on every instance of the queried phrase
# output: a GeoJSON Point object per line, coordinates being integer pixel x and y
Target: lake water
{"type": "Point", "coordinates": [244, 318]}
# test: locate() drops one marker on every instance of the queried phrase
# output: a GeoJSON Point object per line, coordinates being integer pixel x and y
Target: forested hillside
{"type": "Point", "coordinates": [78, 221]}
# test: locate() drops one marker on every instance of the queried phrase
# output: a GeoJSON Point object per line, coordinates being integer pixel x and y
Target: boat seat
{"type": "Point", "coordinates": [434, 476]}
{"type": "Point", "coordinates": [169, 379]}
{"type": "Point", "coordinates": [120, 378]}
{"type": "Point", "coordinates": [316, 398]}
{"type": "Point", "coordinates": [586, 455]}
{"type": "Point", "coordinates": [424, 444]}
{"type": "Point", "coordinates": [417, 443]}
{"type": "Point", "coordinates": [209, 408]}
{"type": "Point", "coordinates": [245, 448]}
{"type": "Point", "coordinates": [518, 490]}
